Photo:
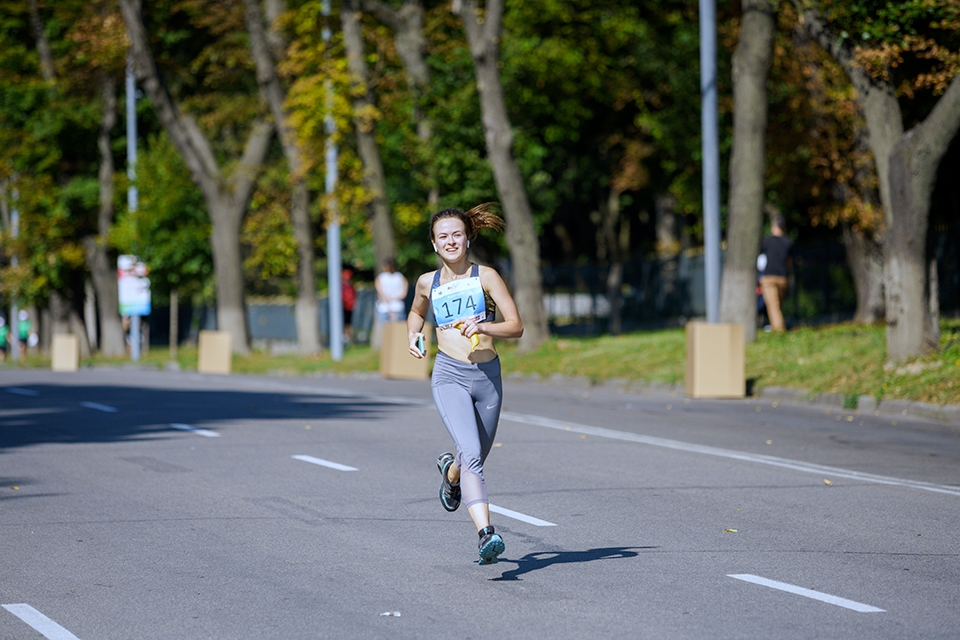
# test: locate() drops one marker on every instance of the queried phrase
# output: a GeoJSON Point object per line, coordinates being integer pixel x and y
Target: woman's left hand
{"type": "Point", "coordinates": [468, 329]}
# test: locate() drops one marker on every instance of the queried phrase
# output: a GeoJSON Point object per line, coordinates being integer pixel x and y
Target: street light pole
{"type": "Point", "coordinates": [132, 189]}
{"type": "Point", "coordinates": [711, 156]}
{"type": "Point", "coordinates": [334, 264]}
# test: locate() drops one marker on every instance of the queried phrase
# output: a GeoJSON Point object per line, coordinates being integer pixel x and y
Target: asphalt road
{"type": "Point", "coordinates": [139, 504]}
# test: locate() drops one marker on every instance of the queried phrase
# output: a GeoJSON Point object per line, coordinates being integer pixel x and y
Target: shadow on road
{"type": "Point", "coordinates": [543, 559]}
{"type": "Point", "coordinates": [67, 414]}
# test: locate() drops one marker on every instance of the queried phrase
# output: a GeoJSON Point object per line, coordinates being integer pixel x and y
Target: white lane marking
{"type": "Point", "coordinates": [47, 627]}
{"type": "Point", "coordinates": [540, 421]}
{"type": "Point", "coordinates": [22, 392]}
{"type": "Point", "coordinates": [98, 407]}
{"type": "Point", "coordinates": [516, 515]}
{"type": "Point", "coordinates": [796, 465]}
{"type": "Point", "coordinates": [325, 463]}
{"type": "Point", "coordinates": [200, 432]}
{"type": "Point", "coordinates": [807, 593]}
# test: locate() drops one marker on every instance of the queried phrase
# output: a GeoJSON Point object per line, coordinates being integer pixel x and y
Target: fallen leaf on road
{"type": "Point", "coordinates": [827, 482]}
{"type": "Point", "coordinates": [730, 530]}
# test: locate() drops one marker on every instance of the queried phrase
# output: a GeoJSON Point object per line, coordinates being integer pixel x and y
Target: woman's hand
{"type": "Point", "coordinates": [415, 343]}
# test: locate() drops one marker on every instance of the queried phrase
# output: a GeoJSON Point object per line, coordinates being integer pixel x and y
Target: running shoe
{"type": "Point", "coordinates": [490, 546]}
{"type": "Point", "coordinates": [449, 492]}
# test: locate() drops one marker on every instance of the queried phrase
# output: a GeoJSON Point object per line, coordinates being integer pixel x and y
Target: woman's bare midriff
{"type": "Point", "coordinates": [455, 345]}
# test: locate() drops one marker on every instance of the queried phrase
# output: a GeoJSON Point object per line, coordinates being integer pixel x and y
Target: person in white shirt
{"type": "Point", "coordinates": [391, 289]}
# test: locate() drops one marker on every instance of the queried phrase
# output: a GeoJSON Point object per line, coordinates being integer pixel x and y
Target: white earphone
{"type": "Point", "coordinates": [434, 247]}
{"type": "Point", "coordinates": [468, 244]}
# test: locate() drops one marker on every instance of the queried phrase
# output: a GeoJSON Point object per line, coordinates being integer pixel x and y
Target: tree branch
{"type": "Point", "coordinates": [183, 130]}
{"type": "Point", "coordinates": [383, 13]}
{"type": "Point", "coordinates": [941, 126]}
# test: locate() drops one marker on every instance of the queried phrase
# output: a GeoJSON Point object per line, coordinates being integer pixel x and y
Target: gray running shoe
{"type": "Point", "coordinates": [490, 546]}
{"type": "Point", "coordinates": [449, 492]}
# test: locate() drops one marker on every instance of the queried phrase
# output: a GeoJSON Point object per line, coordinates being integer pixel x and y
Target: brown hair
{"type": "Point", "coordinates": [480, 217]}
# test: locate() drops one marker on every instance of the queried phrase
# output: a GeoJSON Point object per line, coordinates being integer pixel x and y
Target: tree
{"type": "Point", "coordinates": [365, 116]}
{"type": "Point", "coordinates": [751, 65]}
{"type": "Point", "coordinates": [483, 31]}
{"type": "Point", "coordinates": [98, 35]}
{"type": "Point", "coordinates": [306, 310]}
{"type": "Point", "coordinates": [906, 160]}
{"type": "Point", "coordinates": [226, 194]}
{"type": "Point", "coordinates": [410, 43]}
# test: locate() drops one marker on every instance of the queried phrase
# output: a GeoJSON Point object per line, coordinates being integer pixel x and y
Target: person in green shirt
{"type": "Point", "coordinates": [4, 333]}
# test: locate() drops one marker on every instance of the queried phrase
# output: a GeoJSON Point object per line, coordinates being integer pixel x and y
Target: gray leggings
{"type": "Point", "coordinates": [468, 397]}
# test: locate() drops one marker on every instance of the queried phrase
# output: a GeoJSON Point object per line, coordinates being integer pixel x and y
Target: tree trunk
{"type": "Point", "coordinates": [65, 317]}
{"type": "Point", "coordinates": [865, 257]}
{"type": "Point", "coordinates": [751, 65]}
{"type": "Point", "coordinates": [43, 45]}
{"type": "Point", "coordinates": [613, 246]}
{"type": "Point", "coordinates": [103, 269]}
{"type": "Point", "coordinates": [174, 323]}
{"type": "Point", "coordinates": [306, 312]}
{"type": "Point", "coordinates": [912, 328]}
{"type": "Point", "coordinates": [667, 226]}
{"type": "Point", "coordinates": [483, 36]}
{"type": "Point", "coordinates": [407, 25]}
{"type": "Point", "coordinates": [226, 197]}
{"type": "Point", "coordinates": [384, 244]}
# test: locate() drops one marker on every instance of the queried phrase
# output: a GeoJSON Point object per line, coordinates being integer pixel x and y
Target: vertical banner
{"type": "Point", "coordinates": [133, 286]}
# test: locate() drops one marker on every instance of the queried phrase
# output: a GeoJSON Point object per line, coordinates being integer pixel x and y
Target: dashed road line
{"type": "Point", "coordinates": [41, 623]}
{"type": "Point", "coordinates": [200, 432]}
{"type": "Point", "coordinates": [22, 392]}
{"type": "Point", "coordinates": [325, 463]}
{"type": "Point", "coordinates": [807, 593]}
{"type": "Point", "coordinates": [99, 407]}
{"type": "Point", "coordinates": [516, 515]}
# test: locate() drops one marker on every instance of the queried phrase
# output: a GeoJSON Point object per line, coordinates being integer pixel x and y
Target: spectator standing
{"type": "Point", "coordinates": [4, 333]}
{"type": "Point", "coordinates": [776, 258]}
{"type": "Point", "coordinates": [24, 328]}
{"type": "Point", "coordinates": [391, 289]}
{"type": "Point", "coordinates": [348, 297]}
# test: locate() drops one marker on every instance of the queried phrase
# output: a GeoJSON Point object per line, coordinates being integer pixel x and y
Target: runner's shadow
{"type": "Point", "coordinates": [543, 559]}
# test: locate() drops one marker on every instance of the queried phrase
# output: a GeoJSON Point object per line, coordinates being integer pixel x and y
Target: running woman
{"type": "Point", "coordinates": [467, 387]}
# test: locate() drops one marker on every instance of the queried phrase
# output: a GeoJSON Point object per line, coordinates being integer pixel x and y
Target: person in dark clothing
{"type": "Point", "coordinates": [776, 257]}
{"type": "Point", "coordinates": [348, 298]}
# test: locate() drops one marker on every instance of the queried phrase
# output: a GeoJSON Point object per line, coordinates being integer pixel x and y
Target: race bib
{"type": "Point", "coordinates": [458, 301]}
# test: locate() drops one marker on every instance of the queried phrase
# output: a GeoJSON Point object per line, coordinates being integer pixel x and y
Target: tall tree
{"type": "Point", "coordinates": [99, 39]}
{"type": "Point", "coordinates": [306, 311]}
{"type": "Point", "coordinates": [227, 194]}
{"type": "Point", "coordinates": [411, 45]}
{"type": "Point", "coordinates": [906, 161]}
{"type": "Point", "coordinates": [484, 29]}
{"type": "Point", "coordinates": [751, 66]}
{"type": "Point", "coordinates": [365, 116]}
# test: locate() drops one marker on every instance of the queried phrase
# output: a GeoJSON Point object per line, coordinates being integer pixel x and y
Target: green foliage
{"type": "Point", "coordinates": [170, 230]}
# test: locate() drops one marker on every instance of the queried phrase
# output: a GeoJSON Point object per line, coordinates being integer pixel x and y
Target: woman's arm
{"type": "Point", "coordinates": [511, 326]}
{"type": "Point", "coordinates": [418, 312]}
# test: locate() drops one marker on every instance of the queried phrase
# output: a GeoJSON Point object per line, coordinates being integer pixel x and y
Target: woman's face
{"type": "Point", "coordinates": [450, 238]}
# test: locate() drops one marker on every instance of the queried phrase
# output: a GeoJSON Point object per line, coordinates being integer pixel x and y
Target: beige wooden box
{"type": "Point", "coordinates": [715, 361]}
{"type": "Point", "coordinates": [395, 358]}
{"type": "Point", "coordinates": [65, 352]}
{"type": "Point", "coordinates": [215, 352]}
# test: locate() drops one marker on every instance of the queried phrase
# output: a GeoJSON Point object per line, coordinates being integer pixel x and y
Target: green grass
{"type": "Point", "coordinates": [844, 359]}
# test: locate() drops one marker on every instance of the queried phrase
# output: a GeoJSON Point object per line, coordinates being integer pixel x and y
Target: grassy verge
{"type": "Point", "coordinates": [844, 359]}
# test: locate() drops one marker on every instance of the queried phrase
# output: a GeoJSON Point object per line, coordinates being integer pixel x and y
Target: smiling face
{"type": "Point", "coordinates": [450, 238]}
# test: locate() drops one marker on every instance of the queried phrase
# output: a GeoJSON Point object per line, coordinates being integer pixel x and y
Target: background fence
{"type": "Point", "coordinates": [655, 293]}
